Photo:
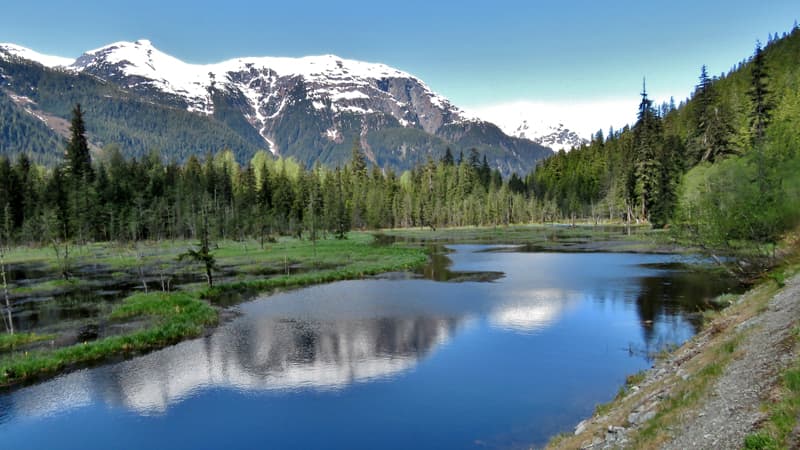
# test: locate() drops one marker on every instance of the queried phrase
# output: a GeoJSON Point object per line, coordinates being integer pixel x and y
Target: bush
{"type": "Point", "coordinates": [740, 208]}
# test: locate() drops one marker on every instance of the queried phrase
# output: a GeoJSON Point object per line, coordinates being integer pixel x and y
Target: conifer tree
{"type": "Point", "coordinates": [79, 161]}
{"type": "Point", "coordinates": [447, 159]}
{"type": "Point", "coordinates": [265, 189]}
{"type": "Point", "coordinates": [358, 164]}
{"type": "Point", "coordinates": [759, 96]}
{"type": "Point", "coordinates": [713, 127]}
{"type": "Point", "coordinates": [358, 200]}
{"type": "Point", "coordinates": [203, 253]}
{"type": "Point", "coordinates": [647, 166]}
{"type": "Point", "coordinates": [761, 109]}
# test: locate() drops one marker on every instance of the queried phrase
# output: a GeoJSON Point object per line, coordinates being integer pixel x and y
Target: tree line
{"type": "Point", "coordinates": [129, 199]}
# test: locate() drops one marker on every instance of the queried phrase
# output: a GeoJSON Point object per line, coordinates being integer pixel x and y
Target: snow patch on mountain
{"type": "Point", "coordinates": [26, 53]}
{"type": "Point", "coordinates": [559, 125]}
{"type": "Point", "coordinates": [144, 64]}
{"type": "Point", "coordinates": [343, 85]}
{"type": "Point", "coordinates": [550, 132]}
{"type": "Point", "coordinates": [554, 136]}
{"type": "Point", "coordinates": [285, 99]}
{"type": "Point", "coordinates": [539, 125]}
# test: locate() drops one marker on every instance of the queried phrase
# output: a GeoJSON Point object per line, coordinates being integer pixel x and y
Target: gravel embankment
{"type": "Point", "coordinates": [731, 408]}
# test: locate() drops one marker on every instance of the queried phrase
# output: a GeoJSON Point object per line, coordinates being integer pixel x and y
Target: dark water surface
{"type": "Point", "coordinates": [386, 363]}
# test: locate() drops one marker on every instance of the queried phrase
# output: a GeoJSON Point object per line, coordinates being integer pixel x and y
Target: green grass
{"type": "Point", "coordinates": [48, 286]}
{"type": "Point", "coordinates": [723, 301]}
{"type": "Point", "coordinates": [760, 441]}
{"type": "Point", "coordinates": [782, 414]}
{"type": "Point", "coordinates": [24, 254]}
{"type": "Point", "coordinates": [517, 233]}
{"type": "Point", "coordinates": [548, 237]}
{"type": "Point", "coordinates": [355, 260]}
{"type": "Point", "coordinates": [11, 341]}
{"type": "Point", "coordinates": [239, 256]}
{"type": "Point", "coordinates": [177, 316]}
{"type": "Point", "coordinates": [636, 378]}
{"type": "Point", "coordinates": [778, 277]}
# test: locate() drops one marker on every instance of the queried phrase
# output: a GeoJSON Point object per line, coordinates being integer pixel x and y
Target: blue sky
{"type": "Point", "coordinates": [477, 53]}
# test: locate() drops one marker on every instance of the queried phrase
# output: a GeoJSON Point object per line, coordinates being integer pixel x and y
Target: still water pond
{"type": "Point", "coordinates": [398, 362]}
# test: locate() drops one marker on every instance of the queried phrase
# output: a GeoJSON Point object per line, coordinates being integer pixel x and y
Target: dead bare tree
{"type": "Point", "coordinates": [61, 249]}
{"type": "Point", "coordinates": [140, 264]}
{"type": "Point", "coordinates": [165, 280]}
{"type": "Point", "coordinates": [7, 316]}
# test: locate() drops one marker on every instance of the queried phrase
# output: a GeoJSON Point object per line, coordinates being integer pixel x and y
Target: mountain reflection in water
{"type": "Point", "coordinates": [467, 349]}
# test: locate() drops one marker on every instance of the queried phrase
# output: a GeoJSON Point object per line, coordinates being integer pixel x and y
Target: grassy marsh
{"type": "Point", "coordinates": [246, 268]}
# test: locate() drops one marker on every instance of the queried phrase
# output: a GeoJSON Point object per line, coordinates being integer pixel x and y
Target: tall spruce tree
{"type": "Point", "coordinates": [358, 169]}
{"type": "Point", "coordinates": [761, 107]}
{"type": "Point", "coordinates": [358, 163]}
{"type": "Point", "coordinates": [704, 100]}
{"type": "Point", "coordinates": [647, 164]}
{"type": "Point", "coordinates": [712, 123]}
{"type": "Point", "coordinates": [79, 160]}
{"type": "Point", "coordinates": [447, 159]}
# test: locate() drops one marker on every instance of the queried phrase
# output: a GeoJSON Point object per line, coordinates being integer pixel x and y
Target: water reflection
{"type": "Point", "coordinates": [251, 354]}
{"type": "Point", "coordinates": [539, 309]}
{"type": "Point", "coordinates": [429, 351]}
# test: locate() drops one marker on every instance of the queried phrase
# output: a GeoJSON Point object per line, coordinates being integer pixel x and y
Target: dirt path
{"type": "Point", "coordinates": [732, 409]}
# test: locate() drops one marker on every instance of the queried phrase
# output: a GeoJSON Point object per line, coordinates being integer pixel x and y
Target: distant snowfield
{"type": "Point", "coordinates": [45, 60]}
{"type": "Point", "coordinates": [584, 118]}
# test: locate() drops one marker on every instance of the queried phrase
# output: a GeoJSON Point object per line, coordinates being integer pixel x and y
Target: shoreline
{"type": "Point", "coordinates": [709, 392]}
{"type": "Point", "coordinates": [404, 252]}
{"type": "Point", "coordinates": [166, 318]}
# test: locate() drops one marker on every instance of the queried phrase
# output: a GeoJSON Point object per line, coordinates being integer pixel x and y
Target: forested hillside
{"type": "Point", "coordinates": [636, 171]}
{"type": "Point", "coordinates": [121, 118]}
{"type": "Point", "coordinates": [722, 165]}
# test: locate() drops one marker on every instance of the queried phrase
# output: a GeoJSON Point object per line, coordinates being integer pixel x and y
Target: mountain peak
{"type": "Point", "coordinates": [31, 55]}
{"type": "Point", "coordinates": [296, 106]}
{"type": "Point", "coordinates": [336, 83]}
{"type": "Point", "coordinates": [539, 124]}
{"type": "Point", "coordinates": [557, 137]}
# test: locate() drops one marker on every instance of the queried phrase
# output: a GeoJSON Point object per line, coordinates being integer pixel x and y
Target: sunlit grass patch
{"type": "Point", "coordinates": [11, 341]}
{"type": "Point", "coordinates": [176, 316]}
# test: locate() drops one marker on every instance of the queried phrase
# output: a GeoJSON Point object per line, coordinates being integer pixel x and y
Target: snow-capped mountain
{"type": "Point", "coordinates": [542, 123]}
{"type": "Point", "coordinates": [306, 107]}
{"type": "Point", "coordinates": [331, 83]}
{"type": "Point", "coordinates": [557, 136]}
{"type": "Point", "coordinates": [28, 54]}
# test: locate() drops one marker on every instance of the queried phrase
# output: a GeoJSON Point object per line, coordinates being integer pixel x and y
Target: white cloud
{"type": "Point", "coordinates": [583, 117]}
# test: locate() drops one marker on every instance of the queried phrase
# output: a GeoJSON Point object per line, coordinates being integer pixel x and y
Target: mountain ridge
{"type": "Point", "coordinates": [312, 108]}
{"type": "Point", "coordinates": [557, 137]}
